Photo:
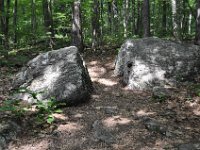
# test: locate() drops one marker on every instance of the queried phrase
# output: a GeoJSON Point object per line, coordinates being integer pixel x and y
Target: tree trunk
{"type": "Point", "coordinates": [176, 19]}
{"type": "Point", "coordinates": [33, 20]}
{"type": "Point", "coordinates": [96, 25]}
{"type": "Point", "coordinates": [190, 24]}
{"type": "Point", "coordinates": [101, 20]}
{"type": "Point", "coordinates": [48, 20]}
{"type": "Point", "coordinates": [164, 18]}
{"type": "Point", "coordinates": [15, 22]}
{"type": "Point", "coordinates": [115, 16]}
{"type": "Point", "coordinates": [6, 27]}
{"type": "Point", "coordinates": [146, 18]}
{"type": "Point", "coordinates": [2, 21]}
{"type": "Point", "coordinates": [139, 20]}
{"type": "Point", "coordinates": [133, 17]}
{"type": "Point", "coordinates": [125, 15]}
{"type": "Point", "coordinates": [77, 39]}
{"type": "Point", "coordinates": [109, 16]}
{"type": "Point", "coordinates": [197, 38]}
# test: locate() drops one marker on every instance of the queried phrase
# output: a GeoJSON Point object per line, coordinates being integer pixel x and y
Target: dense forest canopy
{"type": "Point", "coordinates": [58, 23]}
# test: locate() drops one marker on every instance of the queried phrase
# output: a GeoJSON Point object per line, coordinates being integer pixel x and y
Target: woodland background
{"type": "Point", "coordinates": [27, 25]}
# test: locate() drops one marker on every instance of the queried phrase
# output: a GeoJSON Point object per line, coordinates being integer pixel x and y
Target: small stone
{"type": "Point", "coordinates": [110, 109]}
{"type": "Point", "coordinates": [155, 126]}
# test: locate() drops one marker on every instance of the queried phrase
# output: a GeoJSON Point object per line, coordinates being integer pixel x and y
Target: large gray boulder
{"type": "Point", "coordinates": [59, 73]}
{"type": "Point", "coordinates": [150, 62]}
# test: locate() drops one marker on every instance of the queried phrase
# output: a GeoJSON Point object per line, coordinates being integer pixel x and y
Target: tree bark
{"type": "Point", "coordinates": [146, 18]}
{"type": "Point", "coordinates": [133, 17]}
{"type": "Point", "coordinates": [139, 19]}
{"type": "Point", "coordinates": [15, 21]}
{"type": "Point", "coordinates": [197, 37]}
{"type": "Point", "coordinates": [77, 38]}
{"type": "Point", "coordinates": [96, 25]}
{"type": "Point", "coordinates": [48, 20]}
{"type": "Point", "coordinates": [109, 4]}
{"type": "Point", "coordinates": [2, 21]}
{"type": "Point", "coordinates": [115, 16]}
{"type": "Point", "coordinates": [164, 18]}
{"type": "Point", "coordinates": [125, 15]}
{"type": "Point", "coordinates": [176, 19]}
{"type": "Point", "coordinates": [33, 19]}
{"type": "Point", "coordinates": [6, 25]}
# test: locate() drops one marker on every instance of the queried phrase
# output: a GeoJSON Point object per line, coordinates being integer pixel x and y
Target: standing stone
{"type": "Point", "coordinates": [150, 62]}
{"type": "Point", "coordinates": [58, 73]}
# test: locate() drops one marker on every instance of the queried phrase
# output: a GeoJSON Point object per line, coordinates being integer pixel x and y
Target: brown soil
{"type": "Point", "coordinates": [122, 113]}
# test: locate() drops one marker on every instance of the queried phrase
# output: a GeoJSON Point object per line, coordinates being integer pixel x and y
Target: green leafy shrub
{"type": "Point", "coordinates": [14, 107]}
{"type": "Point", "coordinates": [44, 108]}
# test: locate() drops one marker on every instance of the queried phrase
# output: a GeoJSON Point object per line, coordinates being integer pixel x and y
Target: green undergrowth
{"type": "Point", "coordinates": [42, 110]}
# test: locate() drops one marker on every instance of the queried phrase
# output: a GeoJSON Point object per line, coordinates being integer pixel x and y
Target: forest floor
{"type": "Point", "coordinates": [115, 118]}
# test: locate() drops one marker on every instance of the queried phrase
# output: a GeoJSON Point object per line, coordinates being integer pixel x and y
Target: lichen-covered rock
{"type": "Point", "coordinates": [148, 62]}
{"type": "Point", "coordinates": [59, 73]}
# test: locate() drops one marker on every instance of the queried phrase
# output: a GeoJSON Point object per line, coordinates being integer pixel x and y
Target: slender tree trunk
{"type": "Point", "coordinates": [185, 20]}
{"type": "Point", "coordinates": [146, 18]}
{"type": "Point", "coordinates": [197, 38]}
{"type": "Point", "coordinates": [176, 19]}
{"type": "Point", "coordinates": [77, 38]}
{"type": "Point", "coordinates": [48, 20]}
{"type": "Point", "coordinates": [15, 21]}
{"type": "Point", "coordinates": [164, 17]}
{"type": "Point", "coordinates": [139, 20]}
{"type": "Point", "coordinates": [96, 25]}
{"type": "Point", "coordinates": [190, 24]}
{"type": "Point", "coordinates": [109, 4]}
{"type": "Point", "coordinates": [133, 17]}
{"type": "Point", "coordinates": [101, 21]}
{"type": "Point", "coordinates": [2, 22]}
{"type": "Point", "coordinates": [125, 15]}
{"type": "Point", "coordinates": [115, 16]}
{"type": "Point", "coordinates": [33, 20]}
{"type": "Point", "coordinates": [6, 28]}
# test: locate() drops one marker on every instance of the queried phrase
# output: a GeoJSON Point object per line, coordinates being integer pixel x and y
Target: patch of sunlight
{"type": "Point", "coordinates": [159, 142]}
{"type": "Point", "coordinates": [107, 82]}
{"type": "Point", "coordinates": [111, 122]}
{"type": "Point", "coordinates": [78, 115]}
{"type": "Point", "coordinates": [70, 127]}
{"type": "Point", "coordinates": [156, 49]}
{"type": "Point", "coordinates": [194, 107]}
{"type": "Point", "coordinates": [95, 96]}
{"type": "Point", "coordinates": [42, 144]}
{"type": "Point", "coordinates": [60, 116]}
{"type": "Point", "coordinates": [144, 113]}
{"type": "Point", "coordinates": [93, 63]}
{"type": "Point", "coordinates": [129, 44]}
{"type": "Point", "coordinates": [196, 111]}
{"type": "Point", "coordinates": [51, 75]}
{"type": "Point", "coordinates": [96, 72]}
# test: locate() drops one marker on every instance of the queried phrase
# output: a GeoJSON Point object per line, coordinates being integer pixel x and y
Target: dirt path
{"type": "Point", "coordinates": [118, 119]}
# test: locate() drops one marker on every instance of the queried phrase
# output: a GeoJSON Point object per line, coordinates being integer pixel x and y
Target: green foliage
{"type": "Point", "coordinates": [111, 25]}
{"type": "Point", "coordinates": [195, 89]}
{"type": "Point", "coordinates": [14, 107]}
{"type": "Point", "coordinates": [44, 108]}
